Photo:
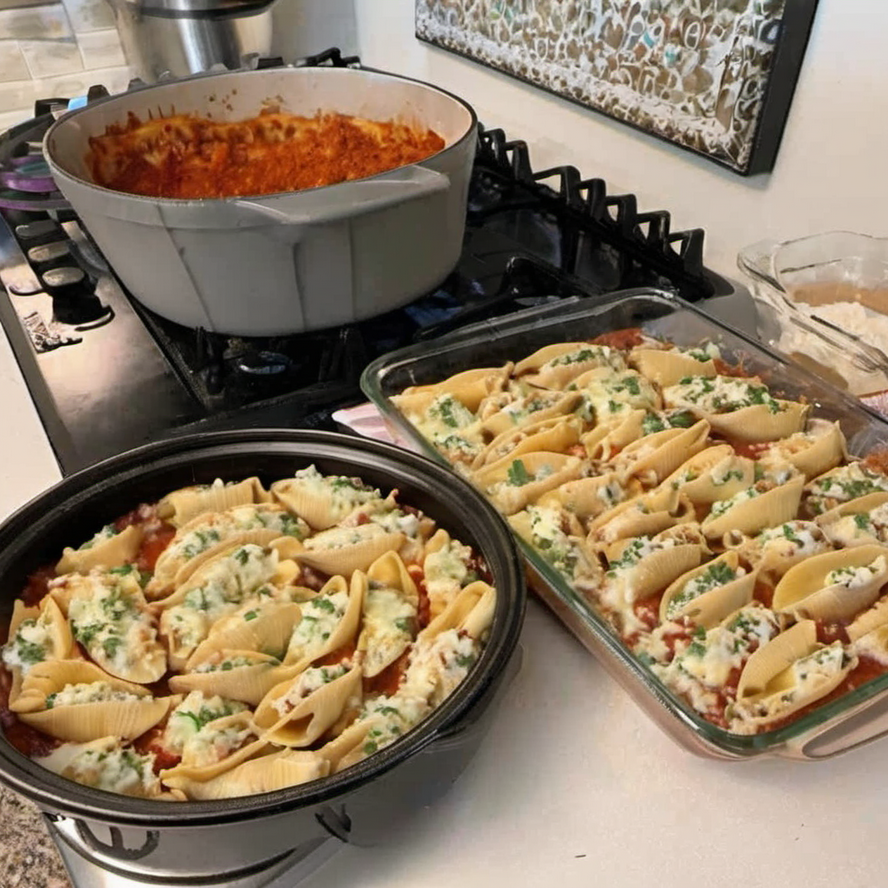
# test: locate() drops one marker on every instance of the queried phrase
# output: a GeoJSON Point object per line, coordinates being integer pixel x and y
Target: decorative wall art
{"type": "Point", "coordinates": [713, 76]}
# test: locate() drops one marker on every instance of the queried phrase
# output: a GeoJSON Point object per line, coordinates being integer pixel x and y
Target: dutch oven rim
{"type": "Point", "coordinates": [53, 508]}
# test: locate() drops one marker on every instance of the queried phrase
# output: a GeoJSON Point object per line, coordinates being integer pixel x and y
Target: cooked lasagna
{"type": "Point", "coordinates": [231, 639]}
{"type": "Point", "coordinates": [722, 531]}
{"type": "Point", "coordinates": [190, 157]}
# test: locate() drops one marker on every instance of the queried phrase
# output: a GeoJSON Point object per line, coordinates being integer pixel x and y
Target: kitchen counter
{"type": "Point", "coordinates": [573, 784]}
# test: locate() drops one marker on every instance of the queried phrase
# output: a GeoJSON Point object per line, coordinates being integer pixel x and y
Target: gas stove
{"type": "Point", "coordinates": [107, 374]}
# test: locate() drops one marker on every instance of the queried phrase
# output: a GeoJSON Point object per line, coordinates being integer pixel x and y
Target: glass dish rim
{"type": "Point", "coordinates": [822, 718]}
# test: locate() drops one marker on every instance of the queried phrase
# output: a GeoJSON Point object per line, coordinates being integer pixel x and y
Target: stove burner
{"type": "Point", "coordinates": [264, 363]}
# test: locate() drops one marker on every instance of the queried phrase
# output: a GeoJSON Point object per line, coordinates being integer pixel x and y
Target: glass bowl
{"type": "Point", "coordinates": [823, 301]}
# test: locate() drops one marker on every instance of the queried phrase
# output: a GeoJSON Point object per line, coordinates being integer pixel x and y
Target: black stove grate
{"type": "Point", "coordinates": [531, 237]}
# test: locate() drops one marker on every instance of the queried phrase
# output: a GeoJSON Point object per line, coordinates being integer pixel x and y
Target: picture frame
{"type": "Point", "coordinates": [713, 77]}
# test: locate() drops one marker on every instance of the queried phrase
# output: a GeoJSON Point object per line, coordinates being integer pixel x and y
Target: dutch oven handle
{"type": "Point", "coordinates": [347, 200]}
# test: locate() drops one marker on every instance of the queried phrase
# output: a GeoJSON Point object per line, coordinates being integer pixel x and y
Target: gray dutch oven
{"type": "Point", "coordinates": [288, 262]}
{"type": "Point", "coordinates": [215, 843]}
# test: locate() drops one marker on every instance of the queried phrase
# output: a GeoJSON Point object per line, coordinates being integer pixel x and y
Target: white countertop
{"type": "Point", "coordinates": [574, 785]}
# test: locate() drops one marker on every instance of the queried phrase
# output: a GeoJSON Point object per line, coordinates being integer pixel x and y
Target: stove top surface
{"type": "Point", "coordinates": [107, 374]}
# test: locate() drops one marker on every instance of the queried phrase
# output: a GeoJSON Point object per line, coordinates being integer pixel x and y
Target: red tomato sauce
{"type": "Point", "coordinates": [631, 337]}
{"type": "Point", "coordinates": [37, 586]}
{"type": "Point", "coordinates": [389, 680]}
{"type": "Point", "coordinates": [153, 544]}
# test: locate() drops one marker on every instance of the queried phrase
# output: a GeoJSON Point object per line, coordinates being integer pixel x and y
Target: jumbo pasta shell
{"type": "Point", "coordinates": [643, 515]}
{"type": "Point", "coordinates": [842, 484]}
{"type": "Point", "coordinates": [470, 387]}
{"type": "Point", "coordinates": [768, 509]}
{"type": "Point", "coordinates": [585, 498]}
{"type": "Point", "coordinates": [655, 456]}
{"type": "Point", "coordinates": [612, 435]}
{"type": "Point", "coordinates": [532, 408]}
{"type": "Point", "coordinates": [715, 473]}
{"type": "Point", "coordinates": [299, 723]}
{"type": "Point", "coordinates": [852, 523]}
{"type": "Point", "coordinates": [711, 605]}
{"type": "Point", "coordinates": [390, 607]}
{"type": "Point", "coordinates": [556, 435]}
{"type": "Point", "coordinates": [655, 569]}
{"type": "Point", "coordinates": [195, 754]}
{"type": "Point", "coordinates": [771, 685]}
{"type": "Point", "coordinates": [351, 746]}
{"type": "Point", "coordinates": [110, 618]}
{"type": "Point", "coordinates": [668, 366]}
{"type": "Point", "coordinates": [308, 642]}
{"type": "Point", "coordinates": [266, 627]}
{"type": "Point", "coordinates": [788, 544]}
{"type": "Point", "coordinates": [555, 366]}
{"type": "Point", "coordinates": [870, 620]}
{"type": "Point", "coordinates": [225, 567]}
{"type": "Point", "coordinates": [51, 636]}
{"type": "Point", "coordinates": [804, 590]}
{"type": "Point", "coordinates": [217, 588]}
{"type": "Point", "coordinates": [267, 773]}
{"type": "Point", "coordinates": [567, 551]}
{"type": "Point", "coordinates": [512, 483]}
{"type": "Point", "coordinates": [181, 506]}
{"type": "Point", "coordinates": [817, 449]}
{"type": "Point", "coordinates": [86, 763]}
{"type": "Point", "coordinates": [759, 423]}
{"type": "Point", "coordinates": [471, 612]}
{"type": "Point", "coordinates": [343, 550]}
{"type": "Point", "coordinates": [113, 551]}
{"type": "Point", "coordinates": [209, 535]}
{"type": "Point", "coordinates": [323, 501]}
{"type": "Point", "coordinates": [874, 642]}
{"type": "Point", "coordinates": [81, 722]}
{"type": "Point", "coordinates": [248, 680]}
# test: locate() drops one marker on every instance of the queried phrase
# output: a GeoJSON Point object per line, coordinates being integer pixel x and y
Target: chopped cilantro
{"type": "Point", "coordinates": [86, 633]}
{"type": "Point", "coordinates": [518, 474]}
{"type": "Point", "coordinates": [652, 423]}
{"type": "Point", "coordinates": [111, 645]}
{"type": "Point", "coordinates": [684, 419]}
{"type": "Point", "coordinates": [122, 571]}
{"type": "Point", "coordinates": [194, 718]}
{"type": "Point", "coordinates": [862, 521]}
{"type": "Point", "coordinates": [28, 651]}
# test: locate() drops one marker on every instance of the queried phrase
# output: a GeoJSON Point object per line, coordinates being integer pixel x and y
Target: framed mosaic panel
{"type": "Point", "coordinates": [713, 76]}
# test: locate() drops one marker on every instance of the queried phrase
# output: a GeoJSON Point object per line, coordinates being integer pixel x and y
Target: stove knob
{"type": "Point", "coordinates": [31, 234]}
{"type": "Point", "coordinates": [49, 254]}
{"type": "Point", "coordinates": [73, 300]}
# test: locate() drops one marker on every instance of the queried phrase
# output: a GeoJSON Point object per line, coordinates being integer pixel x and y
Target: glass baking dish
{"type": "Point", "coordinates": [857, 717]}
{"type": "Point", "coordinates": [823, 301]}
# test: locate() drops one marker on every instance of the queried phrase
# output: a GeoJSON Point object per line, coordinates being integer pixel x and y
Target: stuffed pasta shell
{"type": "Point", "coordinates": [700, 511]}
{"type": "Point", "coordinates": [292, 629]}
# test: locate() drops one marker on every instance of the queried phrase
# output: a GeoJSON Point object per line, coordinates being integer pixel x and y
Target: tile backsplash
{"type": "Point", "coordinates": [56, 49]}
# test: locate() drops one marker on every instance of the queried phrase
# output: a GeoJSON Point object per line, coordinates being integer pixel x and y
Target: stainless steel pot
{"type": "Point", "coordinates": [289, 262]}
{"type": "Point", "coordinates": [182, 37]}
{"type": "Point", "coordinates": [215, 841]}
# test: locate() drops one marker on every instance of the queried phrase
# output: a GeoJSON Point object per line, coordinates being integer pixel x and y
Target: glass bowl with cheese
{"type": "Point", "coordinates": [822, 300]}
